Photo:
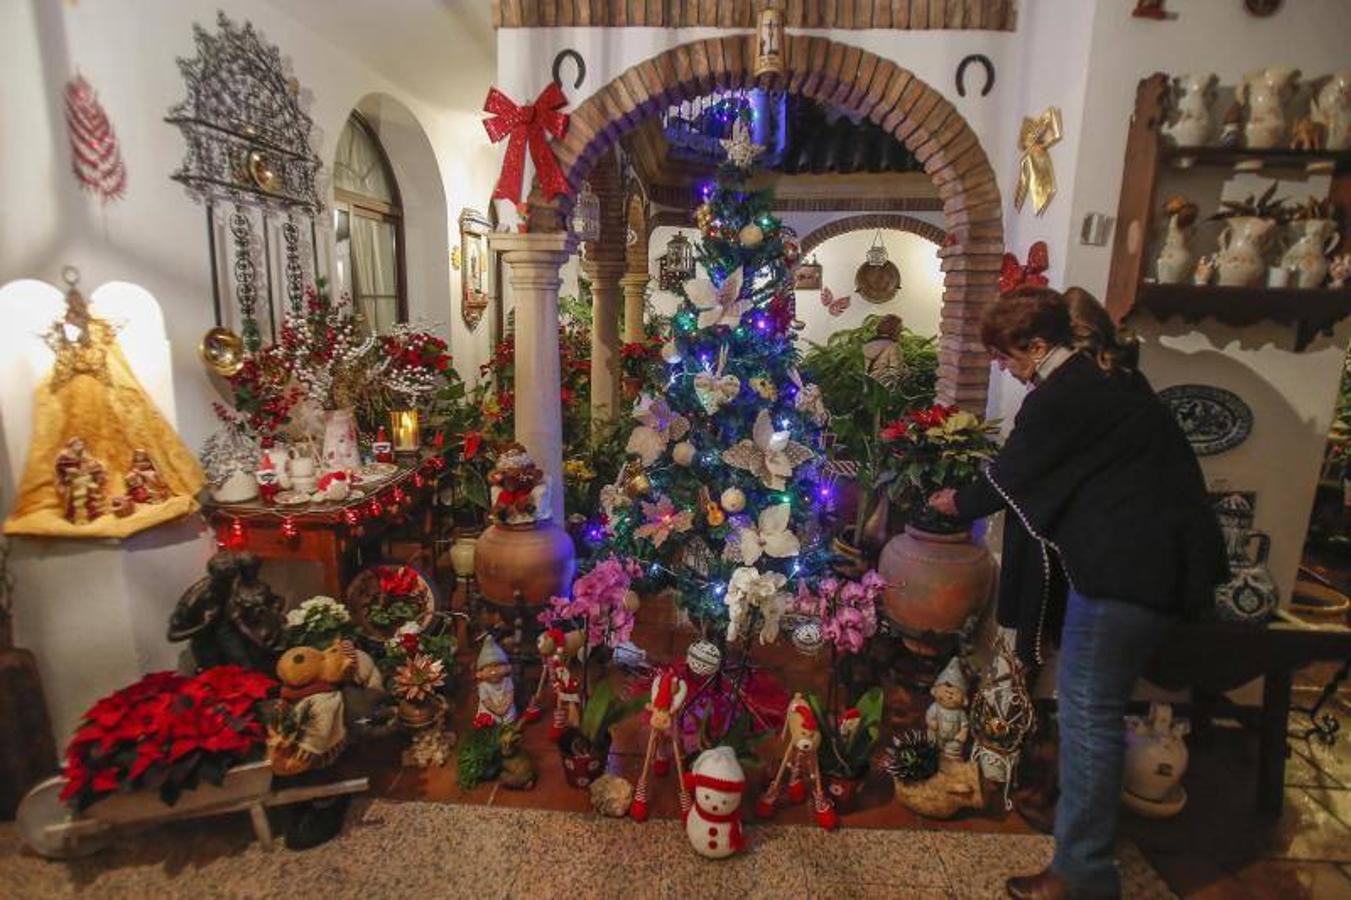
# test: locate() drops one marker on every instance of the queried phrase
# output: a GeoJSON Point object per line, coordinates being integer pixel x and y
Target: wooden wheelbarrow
{"type": "Point", "coordinates": [56, 831]}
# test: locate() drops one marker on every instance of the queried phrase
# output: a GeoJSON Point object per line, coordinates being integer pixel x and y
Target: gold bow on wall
{"type": "Point", "coordinates": [1036, 176]}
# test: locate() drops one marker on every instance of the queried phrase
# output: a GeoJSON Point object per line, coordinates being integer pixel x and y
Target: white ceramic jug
{"type": "Point", "coordinates": [1174, 263]}
{"type": "Point", "coordinates": [1265, 93]}
{"type": "Point", "coordinates": [1240, 261]}
{"type": "Point", "coordinates": [1195, 95]}
{"type": "Point", "coordinates": [1308, 256]}
{"type": "Point", "coordinates": [1156, 757]}
{"type": "Point", "coordinates": [1331, 107]}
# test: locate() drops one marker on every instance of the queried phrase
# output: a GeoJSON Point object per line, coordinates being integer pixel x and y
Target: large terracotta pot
{"type": "Point", "coordinates": [935, 582]}
{"type": "Point", "coordinates": [536, 559]}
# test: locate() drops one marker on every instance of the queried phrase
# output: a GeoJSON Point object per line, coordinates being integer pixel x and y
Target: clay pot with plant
{"type": "Point", "coordinates": [585, 748]}
{"type": "Point", "coordinates": [845, 753]}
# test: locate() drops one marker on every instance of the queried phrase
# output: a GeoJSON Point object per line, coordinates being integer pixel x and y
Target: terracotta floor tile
{"type": "Point", "coordinates": [1308, 830]}
{"type": "Point", "coordinates": [1191, 876]}
{"type": "Point", "coordinates": [1296, 881]}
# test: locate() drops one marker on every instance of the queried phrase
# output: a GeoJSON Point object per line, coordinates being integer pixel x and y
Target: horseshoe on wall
{"type": "Point", "coordinates": [581, 66]}
{"type": "Point", "coordinates": [961, 73]}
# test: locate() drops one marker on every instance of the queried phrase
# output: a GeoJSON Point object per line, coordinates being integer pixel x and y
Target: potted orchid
{"type": "Point", "coordinates": [603, 601]}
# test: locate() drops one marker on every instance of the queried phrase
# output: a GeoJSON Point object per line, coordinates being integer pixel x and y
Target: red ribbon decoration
{"type": "Point", "coordinates": [1013, 275]}
{"type": "Point", "coordinates": [528, 125]}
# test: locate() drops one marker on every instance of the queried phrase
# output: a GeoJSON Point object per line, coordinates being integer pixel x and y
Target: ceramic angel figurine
{"type": "Point", "coordinates": [946, 720]}
{"type": "Point", "coordinates": [496, 690]}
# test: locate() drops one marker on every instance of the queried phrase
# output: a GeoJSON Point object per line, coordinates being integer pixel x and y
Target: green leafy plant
{"type": "Point", "coordinates": [393, 613]}
{"type": "Point", "coordinates": [859, 404]}
{"type": "Point", "coordinates": [318, 622]}
{"type": "Point", "coordinates": [912, 758]}
{"type": "Point", "coordinates": [742, 737]}
{"type": "Point", "coordinates": [480, 757]}
{"type": "Point", "coordinates": [846, 755]}
{"type": "Point", "coordinates": [604, 710]}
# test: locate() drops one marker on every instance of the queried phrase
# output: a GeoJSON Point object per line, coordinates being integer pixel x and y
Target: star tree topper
{"type": "Point", "coordinates": [740, 151]}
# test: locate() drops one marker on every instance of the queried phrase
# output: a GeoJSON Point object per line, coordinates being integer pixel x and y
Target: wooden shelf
{"type": "Point", "coordinates": [1327, 161]}
{"type": "Point", "coordinates": [1311, 311]}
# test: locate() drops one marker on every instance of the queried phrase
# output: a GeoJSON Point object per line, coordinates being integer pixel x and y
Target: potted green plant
{"type": "Point", "coordinates": [584, 749]}
{"type": "Point", "coordinates": [860, 402]}
{"type": "Point", "coordinates": [847, 745]}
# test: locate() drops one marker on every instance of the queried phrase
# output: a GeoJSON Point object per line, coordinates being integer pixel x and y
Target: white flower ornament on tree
{"type": "Point", "coordinates": [771, 456]}
{"type": "Point", "coordinates": [714, 389]}
{"type": "Point", "coordinates": [809, 399]}
{"type": "Point", "coordinates": [749, 587]}
{"type": "Point", "coordinates": [718, 304]}
{"type": "Point", "coordinates": [771, 537]}
{"type": "Point", "coordinates": [658, 425]}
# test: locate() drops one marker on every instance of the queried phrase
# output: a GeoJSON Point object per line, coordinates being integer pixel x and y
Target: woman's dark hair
{"type": "Point", "coordinates": [1096, 335]}
{"type": "Point", "coordinates": [1021, 316]}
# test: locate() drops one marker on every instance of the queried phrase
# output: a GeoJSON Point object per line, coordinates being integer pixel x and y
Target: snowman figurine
{"type": "Point", "coordinates": [713, 823]}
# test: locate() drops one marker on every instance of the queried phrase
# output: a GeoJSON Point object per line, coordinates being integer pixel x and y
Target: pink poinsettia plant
{"type": "Point", "coordinates": [847, 609]}
{"type": "Point", "coordinates": [169, 731]}
{"type": "Point", "coordinates": [602, 599]}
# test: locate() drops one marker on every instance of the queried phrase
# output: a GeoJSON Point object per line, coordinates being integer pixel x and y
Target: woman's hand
{"type": "Point", "coordinates": [944, 501]}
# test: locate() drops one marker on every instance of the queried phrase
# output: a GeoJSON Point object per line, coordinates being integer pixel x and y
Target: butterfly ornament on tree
{"type": "Point", "coordinates": [834, 305]}
{"type": "Point", "coordinates": [713, 389]}
{"type": "Point", "coordinates": [1013, 275]}
{"type": "Point", "coordinates": [718, 304]}
{"type": "Point", "coordinates": [770, 456]}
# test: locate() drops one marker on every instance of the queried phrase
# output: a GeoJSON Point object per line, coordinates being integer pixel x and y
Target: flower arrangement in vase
{"type": "Point", "coordinates": [169, 730]}
{"type": "Point", "coordinates": [1249, 226]}
{"type": "Point", "coordinates": [603, 599]}
{"type": "Point", "coordinates": [585, 749]}
{"type": "Point", "coordinates": [417, 686]}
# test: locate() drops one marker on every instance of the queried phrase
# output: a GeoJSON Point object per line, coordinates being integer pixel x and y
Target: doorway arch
{"type": "Point", "coordinates": [861, 83]}
{"type": "Point", "coordinates": [872, 222]}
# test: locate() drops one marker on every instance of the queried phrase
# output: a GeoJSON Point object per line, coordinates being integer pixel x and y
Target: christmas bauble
{"type": "Point", "coordinates": [751, 236]}
{"type": "Point", "coordinates": [683, 453]}
{"type": "Point", "coordinates": [670, 353]}
{"type": "Point", "coordinates": [791, 252]}
{"type": "Point", "coordinates": [733, 500]}
{"type": "Point", "coordinates": [703, 658]}
{"type": "Point", "coordinates": [631, 600]}
{"type": "Point", "coordinates": [807, 638]}
{"type": "Point", "coordinates": [703, 216]}
{"type": "Point", "coordinates": [638, 486]}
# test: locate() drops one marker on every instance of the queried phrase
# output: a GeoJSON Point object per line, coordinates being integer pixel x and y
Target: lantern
{"type": "Point", "coordinates": [586, 214]}
{"type": "Point", "coordinates": [405, 428]}
{"type": "Point", "coordinates": [769, 41]}
{"type": "Point", "coordinates": [677, 264]}
{"type": "Point", "coordinates": [877, 253]}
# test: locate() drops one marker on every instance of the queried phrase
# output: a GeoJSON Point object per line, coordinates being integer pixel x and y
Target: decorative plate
{"type": "Point", "coordinates": [1213, 419]}
{"type": "Point", "coordinates": [377, 472]}
{"type": "Point", "coordinates": [877, 284]}
{"type": "Point", "coordinates": [292, 498]}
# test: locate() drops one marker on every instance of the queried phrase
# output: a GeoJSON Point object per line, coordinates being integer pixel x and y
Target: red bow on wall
{"type": "Point", "coordinates": [1013, 275]}
{"type": "Point", "coordinates": [527, 125]}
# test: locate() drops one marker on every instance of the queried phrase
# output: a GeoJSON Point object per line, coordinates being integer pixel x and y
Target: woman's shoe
{"type": "Point", "coordinates": [1047, 885]}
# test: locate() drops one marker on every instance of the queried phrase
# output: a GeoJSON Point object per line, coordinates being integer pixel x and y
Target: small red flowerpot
{"type": "Point", "coordinates": [583, 762]}
{"type": "Point", "coordinates": [844, 791]}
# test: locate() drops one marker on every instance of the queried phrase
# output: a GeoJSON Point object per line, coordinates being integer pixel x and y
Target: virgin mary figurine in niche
{"type": "Point", "coordinates": [99, 445]}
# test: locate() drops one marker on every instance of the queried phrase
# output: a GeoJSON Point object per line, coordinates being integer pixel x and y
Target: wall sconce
{"type": "Point", "coordinates": [586, 214]}
{"type": "Point", "coordinates": [677, 265]}
{"type": "Point", "coordinates": [405, 428]}
{"type": "Point", "coordinates": [769, 41]}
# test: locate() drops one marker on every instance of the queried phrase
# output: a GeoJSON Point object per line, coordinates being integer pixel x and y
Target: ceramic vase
{"type": "Point", "coordinates": [1174, 263]}
{"type": "Point", "coordinates": [341, 451]}
{"type": "Point", "coordinates": [1156, 756]}
{"type": "Point", "coordinates": [529, 562]}
{"type": "Point", "coordinates": [1195, 95]}
{"type": "Point", "coordinates": [935, 583]}
{"type": "Point", "coordinates": [1249, 595]}
{"type": "Point", "coordinates": [239, 486]}
{"type": "Point", "coordinates": [1265, 93]}
{"type": "Point", "coordinates": [462, 553]}
{"type": "Point", "coordinates": [1240, 261]}
{"type": "Point", "coordinates": [1331, 107]}
{"type": "Point", "coordinates": [304, 478]}
{"type": "Point", "coordinates": [1308, 256]}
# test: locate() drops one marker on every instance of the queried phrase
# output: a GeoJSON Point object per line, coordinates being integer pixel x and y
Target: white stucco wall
{"type": "Point", "coordinates": [95, 614]}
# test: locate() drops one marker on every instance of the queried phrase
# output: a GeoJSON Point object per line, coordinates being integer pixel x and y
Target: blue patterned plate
{"type": "Point", "coordinates": [1213, 419]}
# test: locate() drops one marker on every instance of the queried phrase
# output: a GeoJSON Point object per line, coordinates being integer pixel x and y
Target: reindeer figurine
{"type": "Point", "coordinates": [669, 691]}
{"type": "Point", "coordinates": [804, 737]}
{"type": "Point", "coordinates": [557, 649]}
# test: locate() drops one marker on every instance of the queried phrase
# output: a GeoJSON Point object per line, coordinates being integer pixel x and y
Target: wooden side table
{"type": "Point", "coordinates": [338, 536]}
{"type": "Point", "coordinates": [1213, 657]}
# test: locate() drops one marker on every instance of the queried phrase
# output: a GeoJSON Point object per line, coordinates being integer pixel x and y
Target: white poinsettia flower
{"type": "Point", "coordinates": [658, 425]}
{"type": "Point", "coordinates": [718, 304]}
{"type": "Point", "coordinates": [715, 391]}
{"type": "Point", "coordinates": [770, 455]}
{"type": "Point", "coordinates": [749, 587]}
{"type": "Point", "coordinates": [769, 537]}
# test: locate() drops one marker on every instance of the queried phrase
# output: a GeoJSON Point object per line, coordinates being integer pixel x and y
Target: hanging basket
{"type": "Point", "coordinates": [878, 279]}
{"type": "Point", "coordinates": [367, 593]}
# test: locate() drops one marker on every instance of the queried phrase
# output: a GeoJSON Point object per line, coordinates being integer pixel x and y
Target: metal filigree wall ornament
{"type": "Point", "coordinates": [248, 139]}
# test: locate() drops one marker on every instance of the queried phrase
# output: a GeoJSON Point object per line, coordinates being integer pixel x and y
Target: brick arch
{"type": "Point", "coordinates": [862, 83]}
{"type": "Point", "coordinates": [872, 222]}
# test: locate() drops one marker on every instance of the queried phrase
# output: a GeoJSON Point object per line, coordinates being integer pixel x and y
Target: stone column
{"type": "Point", "coordinates": [532, 263]}
{"type": "Point", "coordinates": [635, 289]}
{"type": "Point", "coordinates": [605, 294]}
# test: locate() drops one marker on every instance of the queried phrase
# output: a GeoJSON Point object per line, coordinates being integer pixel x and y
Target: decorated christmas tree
{"type": "Point", "coordinates": [722, 496]}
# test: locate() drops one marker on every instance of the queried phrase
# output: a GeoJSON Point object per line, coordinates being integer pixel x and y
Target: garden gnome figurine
{"type": "Point", "coordinates": [713, 823]}
{"type": "Point", "coordinates": [946, 719]}
{"type": "Point", "coordinates": [496, 691]}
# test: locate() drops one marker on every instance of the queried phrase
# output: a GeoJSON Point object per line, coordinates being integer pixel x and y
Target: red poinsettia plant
{"type": "Point", "coordinates": [636, 358]}
{"type": "Point", "coordinates": [168, 731]}
{"type": "Point", "coordinates": [929, 449]}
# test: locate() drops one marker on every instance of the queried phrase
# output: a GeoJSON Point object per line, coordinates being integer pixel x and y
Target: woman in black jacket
{"type": "Point", "coordinates": [1109, 537]}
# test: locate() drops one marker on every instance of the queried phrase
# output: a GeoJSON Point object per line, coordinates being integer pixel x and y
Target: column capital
{"type": "Point", "coordinates": [540, 248]}
{"type": "Point", "coordinates": [635, 279]}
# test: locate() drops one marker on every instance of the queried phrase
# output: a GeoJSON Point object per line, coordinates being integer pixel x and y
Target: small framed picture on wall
{"type": "Point", "coordinates": [475, 267]}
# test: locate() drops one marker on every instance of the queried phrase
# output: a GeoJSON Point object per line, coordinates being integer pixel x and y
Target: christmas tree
{"type": "Point", "coordinates": [723, 495]}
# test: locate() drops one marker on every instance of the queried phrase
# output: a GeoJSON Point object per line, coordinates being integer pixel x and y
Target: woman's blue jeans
{"type": "Point", "coordinates": [1104, 647]}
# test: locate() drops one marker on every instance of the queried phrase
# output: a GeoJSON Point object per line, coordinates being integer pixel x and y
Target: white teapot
{"type": "Point", "coordinates": [1195, 95]}
{"type": "Point", "coordinates": [1265, 93]}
